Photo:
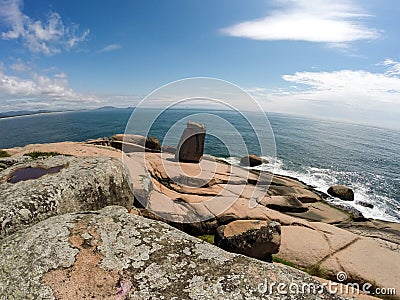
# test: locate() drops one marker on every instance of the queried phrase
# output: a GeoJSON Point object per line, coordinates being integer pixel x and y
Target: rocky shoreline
{"type": "Point", "coordinates": [289, 222]}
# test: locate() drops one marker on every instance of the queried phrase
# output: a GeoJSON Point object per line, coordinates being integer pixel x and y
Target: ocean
{"type": "Point", "coordinates": [318, 152]}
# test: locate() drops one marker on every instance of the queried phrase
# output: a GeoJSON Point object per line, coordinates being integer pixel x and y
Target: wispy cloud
{"type": "Point", "coordinates": [109, 48]}
{"type": "Point", "coordinates": [347, 86]}
{"type": "Point", "coordinates": [49, 36]}
{"type": "Point", "coordinates": [356, 95]}
{"type": "Point", "coordinates": [336, 22]}
{"type": "Point", "coordinates": [20, 66]}
{"type": "Point", "coordinates": [393, 67]}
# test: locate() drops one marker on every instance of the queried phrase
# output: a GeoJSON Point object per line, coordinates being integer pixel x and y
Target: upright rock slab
{"type": "Point", "coordinates": [191, 144]}
{"type": "Point", "coordinates": [111, 254]}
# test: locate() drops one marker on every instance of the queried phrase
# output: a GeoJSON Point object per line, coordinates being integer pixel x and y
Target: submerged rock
{"type": "Point", "coordinates": [191, 144]}
{"type": "Point", "coordinates": [365, 204]}
{"type": "Point", "coordinates": [83, 183]}
{"type": "Point", "coordinates": [254, 238]}
{"type": "Point", "coordinates": [342, 192]}
{"type": "Point", "coordinates": [110, 254]}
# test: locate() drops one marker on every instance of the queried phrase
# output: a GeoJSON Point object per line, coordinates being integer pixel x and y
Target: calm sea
{"type": "Point", "coordinates": [320, 153]}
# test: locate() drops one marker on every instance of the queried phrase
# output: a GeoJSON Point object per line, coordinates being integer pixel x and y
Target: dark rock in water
{"type": "Point", "coordinates": [191, 144]}
{"type": "Point", "coordinates": [365, 204]}
{"type": "Point", "coordinates": [342, 192]}
{"type": "Point", "coordinates": [252, 160]}
{"type": "Point", "coordinates": [111, 254]}
{"type": "Point", "coordinates": [254, 238]}
{"type": "Point", "coordinates": [83, 183]}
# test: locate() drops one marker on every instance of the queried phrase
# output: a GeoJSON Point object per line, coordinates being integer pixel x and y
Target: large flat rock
{"type": "Point", "coordinates": [363, 259]}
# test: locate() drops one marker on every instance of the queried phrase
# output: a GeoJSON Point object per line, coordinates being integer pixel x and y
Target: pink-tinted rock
{"type": "Point", "coordinates": [191, 144]}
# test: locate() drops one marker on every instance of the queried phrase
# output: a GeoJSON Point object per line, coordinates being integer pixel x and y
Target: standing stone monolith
{"type": "Point", "coordinates": [191, 144]}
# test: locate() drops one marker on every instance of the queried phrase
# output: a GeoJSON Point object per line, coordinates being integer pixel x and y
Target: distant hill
{"type": "Point", "coordinates": [112, 107]}
{"type": "Point", "coordinates": [15, 113]}
{"type": "Point", "coordinates": [105, 107]}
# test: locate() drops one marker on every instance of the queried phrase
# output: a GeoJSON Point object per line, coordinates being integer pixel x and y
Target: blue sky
{"type": "Point", "coordinates": [329, 59]}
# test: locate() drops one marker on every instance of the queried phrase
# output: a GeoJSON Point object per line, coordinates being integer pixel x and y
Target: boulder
{"type": "Point", "coordinates": [365, 204]}
{"type": "Point", "coordinates": [191, 144]}
{"type": "Point", "coordinates": [76, 183]}
{"type": "Point", "coordinates": [342, 192]}
{"type": "Point", "coordinates": [252, 160]}
{"type": "Point", "coordinates": [254, 238]}
{"type": "Point", "coordinates": [151, 143]}
{"type": "Point", "coordinates": [111, 254]}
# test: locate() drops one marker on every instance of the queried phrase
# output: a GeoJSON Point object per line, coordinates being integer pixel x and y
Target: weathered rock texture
{"type": "Point", "coordinates": [82, 184]}
{"type": "Point", "coordinates": [217, 193]}
{"type": "Point", "coordinates": [363, 259]}
{"type": "Point", "coordinates": [342, 192]}
{"type": "Point", "coordinates": [220, 194]}
{"type": "Point", "coordinates": [191, 144]}
{"type": "Point", "coordinates": [254, 238]}
{"type": "Point", "coordinates": [110, 254]}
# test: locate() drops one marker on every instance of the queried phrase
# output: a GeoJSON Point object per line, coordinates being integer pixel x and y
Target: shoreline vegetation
{"type": "Point", "coordinates": [312, 236]}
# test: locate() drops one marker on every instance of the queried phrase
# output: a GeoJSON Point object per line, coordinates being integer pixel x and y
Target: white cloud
{"type": "Point", "coordinates": [38, 91]}
{"type": "Point", "coordinates": [49, 37]}
{"type": "Point", "coordinates": [336, 22]}
{"type": "Point", "coordinates": [50, 89]}
{"type": "Point", "coordinates": [356, 95]}
{"type": "Point", "coordinates": [109, 48]}
{"type": "Point", "coordinates": [347, 86]}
